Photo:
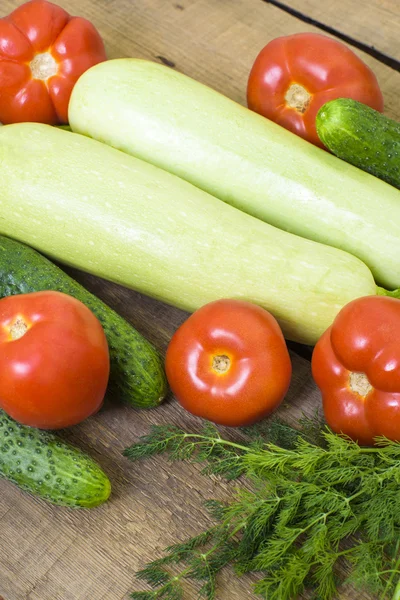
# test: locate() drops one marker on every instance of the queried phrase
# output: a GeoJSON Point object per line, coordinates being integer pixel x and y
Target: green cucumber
{"type": "Point", "coordinates": [102, 211]}
{"type": "Point", "coordinates": [40, 463]}
{"type": "Point", "coordinates": [137, 374]}
{"type": "Point", "coordinates": [176, 123]}
{"type": "Point", "coordinates": [361, 136]}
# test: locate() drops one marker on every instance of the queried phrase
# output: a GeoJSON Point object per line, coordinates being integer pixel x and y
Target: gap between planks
{"type": "Point", "coordinates": [385, 59]}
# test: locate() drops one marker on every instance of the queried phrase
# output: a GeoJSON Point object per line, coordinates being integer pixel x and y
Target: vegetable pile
{"type": "Point", "coordinates": [263, 236]}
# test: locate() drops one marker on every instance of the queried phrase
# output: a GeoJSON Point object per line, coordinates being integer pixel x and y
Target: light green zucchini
{"type": "Point", "coordinates": [98, 209]}
{"type": "Point", "coordinates": [163, 117]}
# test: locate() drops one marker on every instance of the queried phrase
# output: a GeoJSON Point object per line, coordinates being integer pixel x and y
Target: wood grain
{"type": "Point", "coordinates": [213, 41]}
{"type": "Point", "coordinates": [49, 553]}
{"type": "Point", "coordinates": [375, 23]}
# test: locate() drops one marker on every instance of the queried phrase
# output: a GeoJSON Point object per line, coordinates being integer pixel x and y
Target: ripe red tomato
{"type": "Point", "coordinates": [356, 365]}
{"type": "Point", "coordinates": [228, 363]}
{"type": "Point", "coordinates": [294, 75]}
{"type": "Point", "coordinates": [54, 363]}
{"type": "Point", "coordinates": [43, 51]}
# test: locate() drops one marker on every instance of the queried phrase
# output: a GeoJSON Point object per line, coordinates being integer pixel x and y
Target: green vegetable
{"type": "Point", "coordinates": [102, 211]}
{"type": "Point", "coordinates": [167, 119]}
{"type": "Point", "coordinates": [361, 136]}
{"type": "Point", "coordinates": [40, 463]}
{"type": "Point", "coordinates": [137, 374]}
{"type": "Point", "coordinates": [311, 509]}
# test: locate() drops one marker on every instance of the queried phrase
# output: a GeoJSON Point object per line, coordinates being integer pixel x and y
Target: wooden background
{"type": "Point", "coordinates": [48, 553]}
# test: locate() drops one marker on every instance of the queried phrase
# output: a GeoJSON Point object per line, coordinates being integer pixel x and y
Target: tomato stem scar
{"type": "Point", "coordinates": [297, 97]}
{"type": "Point", "coordinates": [43, 66]}
{"type": "Point", "coordinates": [221, 363]}
{"type": "Point", "coordinates": [359, 383]}
{"type": "Point", "coordinates": [18, 329]}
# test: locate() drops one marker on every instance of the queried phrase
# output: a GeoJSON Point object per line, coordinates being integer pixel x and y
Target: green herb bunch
{"type": "Point", "coordinates": [312, 509]}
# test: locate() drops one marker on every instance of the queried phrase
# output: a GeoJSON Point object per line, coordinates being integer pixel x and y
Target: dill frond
{"type": "Point", "coordinates": [310, 506]}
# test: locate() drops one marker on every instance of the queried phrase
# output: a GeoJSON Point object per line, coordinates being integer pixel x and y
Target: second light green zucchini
{"type": "Point", "coordinates": [176, 123]}
{"type": "Point", "coordinates": [100, 210]}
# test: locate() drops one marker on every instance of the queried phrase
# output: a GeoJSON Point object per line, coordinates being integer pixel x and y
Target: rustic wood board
{"type": "Point", "coordinates": [50, 553]}
{"type": "Point", "coordinates": [374, 23]}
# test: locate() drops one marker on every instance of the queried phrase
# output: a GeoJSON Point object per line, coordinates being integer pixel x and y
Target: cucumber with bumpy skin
{"type": "Point", "coordinates": [137, 374]}
{"type": "Point", "coordinates": [40, 463]}
{"type": "Point", "coordinates": [361, 136]}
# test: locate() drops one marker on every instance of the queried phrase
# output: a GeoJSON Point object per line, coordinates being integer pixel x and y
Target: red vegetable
{"type": "Point", "coordinates": [229, 363]}
{"type": "Point", "coordinates": [294, 75]}
{"type": "Point", "coordinates": [43, 51]}
{"type": "Point", "coordinates": [54, 362]}
{"type": "Point", "coordinates": [356, 365]}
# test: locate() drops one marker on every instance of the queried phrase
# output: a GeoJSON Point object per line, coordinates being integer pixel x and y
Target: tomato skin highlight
{"type": "Point", "coordinates": [356, 365]}
{"type": "Point", "coordinates": [35, 31]}
{"type": "Point", "coordinates": [54, 361]}
{"type": "Point", "coordinates": [323, 67]}
{"type": "Point", "coordinates": [229, 363]}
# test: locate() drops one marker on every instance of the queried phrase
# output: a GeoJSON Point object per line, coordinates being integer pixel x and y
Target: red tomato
{"type": "Point", "coordinates": [294, 75]}
{"type": "Point", "coordinates": [228, 363]}
{"type": "Point", "coordinates": [356, 365]}
{"type": "Point", "coordinates": [54, 363]}
{"type": "Point", "coordinates": [43, 51]}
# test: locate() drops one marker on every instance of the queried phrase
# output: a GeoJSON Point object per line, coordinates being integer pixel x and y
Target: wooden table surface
{"type": "Point", "coordinates": [48, 553]}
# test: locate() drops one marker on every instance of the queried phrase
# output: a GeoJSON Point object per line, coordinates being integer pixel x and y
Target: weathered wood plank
{"type": "Point", "coordinates": [214, 41]}
{"type": "Point", "coordinates": [375, 23]}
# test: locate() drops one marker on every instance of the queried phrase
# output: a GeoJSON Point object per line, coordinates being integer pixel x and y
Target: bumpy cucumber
{"type": "Point", "coordinates": [40, 463]}
{"type": "Point", "coordinates": [137, 374]}
{"type": "Point", "coordinates": [361, 136]}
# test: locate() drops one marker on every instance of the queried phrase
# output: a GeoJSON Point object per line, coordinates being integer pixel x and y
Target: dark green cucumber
{"type": "Point", "coordinates": [137, 374]}
{"type": "Point", "coordinates": [361, 136]}
{"type": "Point", "coordinates": [40, 463]}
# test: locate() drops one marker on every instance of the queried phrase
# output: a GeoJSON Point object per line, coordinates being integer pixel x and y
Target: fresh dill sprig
{"type": "Point", "coordinates": [207, 447]}
{"type": "Point", "coordinates": [309, 509]}
{"type": "Point", "coordinates": [281, 433]}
